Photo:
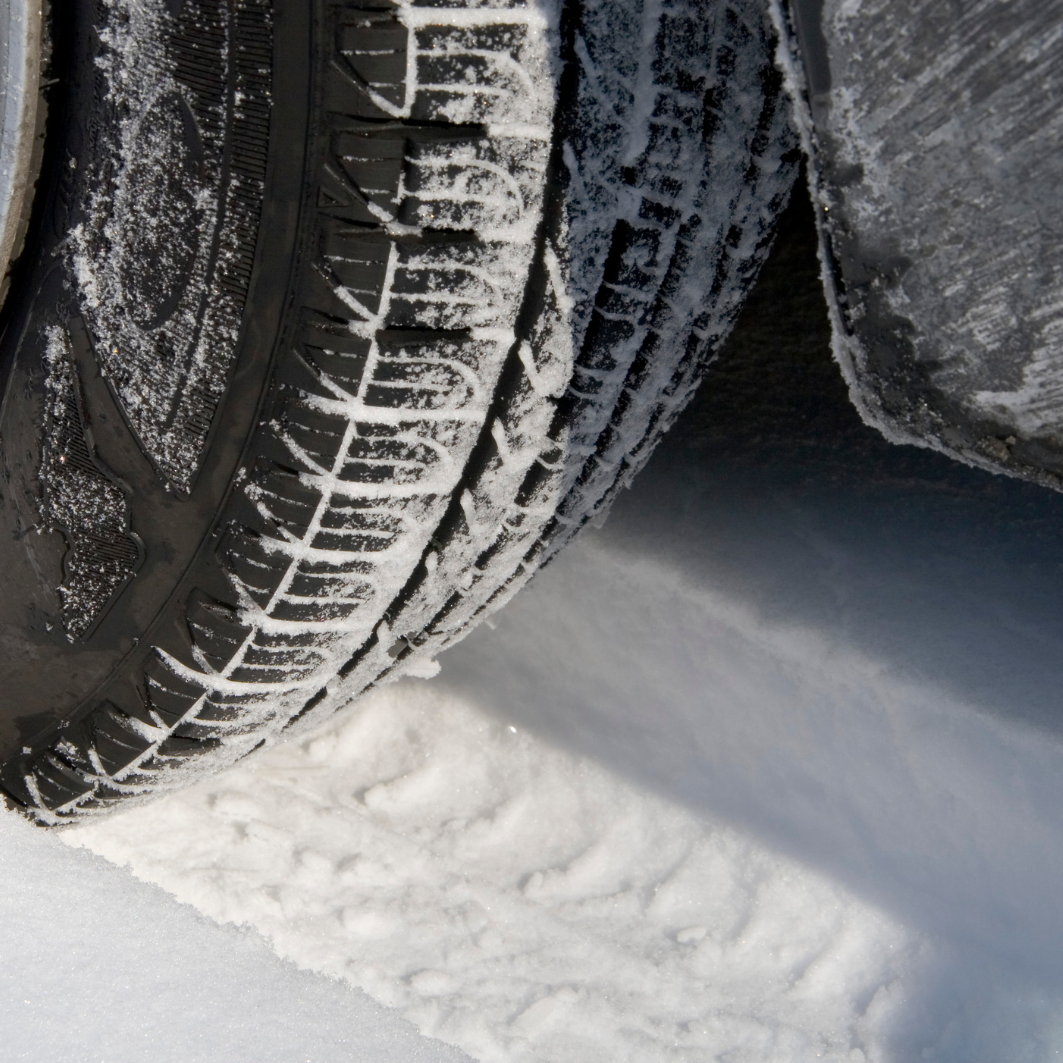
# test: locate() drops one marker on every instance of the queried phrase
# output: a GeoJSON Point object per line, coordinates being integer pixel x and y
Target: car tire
{"type": "Point", "coordinates": [933, 137]}
{"type": "Point", "coordinates": [337, 321]}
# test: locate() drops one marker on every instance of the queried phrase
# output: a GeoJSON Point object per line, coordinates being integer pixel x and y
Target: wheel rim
{"type": "Point", "coordinates": [20, 66]}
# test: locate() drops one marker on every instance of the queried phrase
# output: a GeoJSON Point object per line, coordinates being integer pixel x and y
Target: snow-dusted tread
{"type": "Point", "coordinates": [488, 327]}
{"type": "Point", "coordinates": [682, 255]}
{"type": "Point", "coordinates": [934, 148]}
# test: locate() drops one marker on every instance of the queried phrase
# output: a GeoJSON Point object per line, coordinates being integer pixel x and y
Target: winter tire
{"type": "Point", "coordinates": [341, 319]}
{"type": "Point", "coordinates": [935, 132]}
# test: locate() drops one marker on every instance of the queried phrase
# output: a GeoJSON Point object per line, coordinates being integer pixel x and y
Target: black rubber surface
{"type": "Point", "coordinates": [61, 644]}
{"type": "Point", "coordinates": [935, 133]}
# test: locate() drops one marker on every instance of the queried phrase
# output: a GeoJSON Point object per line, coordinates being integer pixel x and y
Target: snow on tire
{"type": "Point", "coordinates": [418, 335]}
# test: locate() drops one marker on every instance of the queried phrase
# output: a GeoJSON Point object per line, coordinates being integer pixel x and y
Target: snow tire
{"type": "Point", "coordinates": [343, 317]}
{"type": "Point", "coordinates": [933, 135]}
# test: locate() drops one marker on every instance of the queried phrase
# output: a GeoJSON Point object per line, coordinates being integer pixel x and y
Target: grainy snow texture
{"type": "Point", "coordinates": [97, 966]}
{"type": "Point", "coordinates": [936, 135]}
{"type": "Point", "coordinates": [518, 901]}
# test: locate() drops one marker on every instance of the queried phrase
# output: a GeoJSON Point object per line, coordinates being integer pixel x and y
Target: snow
{"type": "Point", "coordinates": [98, 966]}
{"type": "Point", "coordinates": [515, 899]}
{"type": "Point", "coordinates": [768, 768]}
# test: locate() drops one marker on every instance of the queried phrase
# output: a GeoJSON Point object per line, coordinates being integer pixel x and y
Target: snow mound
{"type": "Point", "coordinates": [516, 900]}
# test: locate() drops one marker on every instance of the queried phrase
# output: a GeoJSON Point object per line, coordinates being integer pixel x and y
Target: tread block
{"type": "Point", "coordinates": [456, 284]}
{"type": "Point", "coordinates": [331, 350]}
{"type": "Point", "coordinates": [320, 434]}
{"type": "Point", "coordinates": [215, 628]}
{"type": "Point", "coordinates": [169, 695]}
{"type": "Point", "coordinates": [344, 371]}
{"type": "Point", "coordinates": [380, 524]}
{"type": "Point", "coordinates": [57, 783]}
{"type": "Point", "coordinates": [376, 460]}
{"type": "Point", "coordinates": [357, 257]}
{"type": "Point", "coordinates": [302, 377]}
{"type": "Point", "coordinates": [473, 73]}
{"type": "Point", "coordinates": [196, 731]}
{"type": "Point", "coordinates": [283, 497]}
{"type": "Point", "coordinates": [462, 73]}
{"type": "Point", "coordinates": [73, 746]}
{"type": "Point", "coordinates": [419, 384]}
{"type": "Point", "coordinates": [251, 563]}
{"type": "Point", "coordinates": [176, 746]}
{"type": "Point", "coordinates": [115, 740]}
{"type": "Point", "coordinates": [273, 657]}
{"type": "Point", "coordinates": [217, 712]}
{"type": "Point", "coordinates": [349, 543]}
{"type": "Point", "coordinates": [305, 640]}
{"type": "Point", "coordinates": [313, 611]}
{"type": "Point", "coordinates": [473, 183]}
{"type": "Point", "coordinates": [323, 580]}
{"type": "Point", "coordinates": [13, 781]}
{"type": "Point", "coordinates": [369, 73]}
{"type": "Point", "coordinates": [431, 177]}
{"type": "Point", "coordinates": [365, 174]}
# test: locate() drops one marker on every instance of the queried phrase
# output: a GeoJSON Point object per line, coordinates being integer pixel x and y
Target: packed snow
{"type": "Point", "coordinates": [517, 900]}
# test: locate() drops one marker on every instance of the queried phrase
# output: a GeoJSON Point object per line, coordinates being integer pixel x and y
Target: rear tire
{"type": "Point", "coordinates": [934, 145]}
{"type": "Point", "coordinates": [342, 322]}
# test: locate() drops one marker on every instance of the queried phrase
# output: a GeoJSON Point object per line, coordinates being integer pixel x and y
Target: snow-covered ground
{"type": "Point", "coordinates": [768, 768]}
{"type": "Point", "coordinates": [100, 967]}
{"type": "Point", "coordinates": [637, 822]}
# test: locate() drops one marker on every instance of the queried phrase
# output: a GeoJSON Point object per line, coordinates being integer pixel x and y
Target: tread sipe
{"type": "Point", "coordinates": [341, 324]}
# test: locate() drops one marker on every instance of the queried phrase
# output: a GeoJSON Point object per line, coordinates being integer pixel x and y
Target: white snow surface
{"type": "Point", "coordinates": [98, 966]}
{"type": "Point", "coordinates": [643, 820]}
{"type": "Point", "coordinates": [517, 900]}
